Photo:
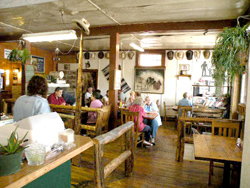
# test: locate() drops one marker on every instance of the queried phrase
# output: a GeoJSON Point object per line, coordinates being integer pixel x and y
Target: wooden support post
{"type": "Point", "coordinates": [180, 143]}
{"type": "Point", "coordinates": [98, 165]}
{"type": "Point", "coordinates": [113, 66]}
{"type": "Point", "coordinates": [77, 127]}
{"type": "Point", "coordinates": [129, 145]}
{"type": "Point", "coordinates": [235, 97]}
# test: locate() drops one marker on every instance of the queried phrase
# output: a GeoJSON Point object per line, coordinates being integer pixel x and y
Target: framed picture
{"type": "Point", "coordinates": [38, 63]}
{"type": "Point", "coordinates": [149, 80]}
{"type": "Point", "coordinates": [184, 67]}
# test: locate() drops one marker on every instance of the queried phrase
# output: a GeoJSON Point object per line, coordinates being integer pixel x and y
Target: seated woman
{"type": "Point", "coordinates": [136, 107]}
{"type": "Point", "coordinates": [131, 99]}
{"type": "Point", "coordinates": [151, 107]}
{"type": "Point", "coordinates": [95, 103]}
{"type": "Point", "coordinates": [34, 102]}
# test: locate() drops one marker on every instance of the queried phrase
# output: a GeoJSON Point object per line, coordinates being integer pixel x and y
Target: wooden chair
{"type": "Point", "coordinates": [223, 128]}
{"type": "Point", "coordinates": [127, 116]}
{"type": "Point", "coordinates": [101, 124]}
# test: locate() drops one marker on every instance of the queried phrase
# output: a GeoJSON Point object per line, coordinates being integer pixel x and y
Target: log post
{"type": "Point", "coordinates": [180, 143]}
{"type": "Point", "coordinates": [129, 145]}
{"type": "Point", "coordinates": [77, 127]}
{"type": "Point", "coordinates": [113, 66]}
{"type": "Point", "coordinates": [98, 165]}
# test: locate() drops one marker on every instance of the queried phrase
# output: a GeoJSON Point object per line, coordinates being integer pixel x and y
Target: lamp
{"type": "Point", "coordinates": [50, 36]}
{"type": "Point", "coordinates": [136, 47]}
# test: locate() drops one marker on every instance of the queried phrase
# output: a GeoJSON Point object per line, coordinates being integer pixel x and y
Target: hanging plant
{"type": "Point", "coordinates": [230, 50]}
{"type": "Point", "coordinates": [19, 55]}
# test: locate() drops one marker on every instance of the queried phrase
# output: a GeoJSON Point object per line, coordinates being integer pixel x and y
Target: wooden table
{"type": "Point", "coordinates": [151, 116]}
{"type": "Point", "coordinates": [28, 173]}
{"type": "Point", "coordinates": [217, 148]}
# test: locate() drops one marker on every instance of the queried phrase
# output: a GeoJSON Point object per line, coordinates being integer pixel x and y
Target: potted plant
{"type": "Point", "coordinates": [11, 154]}
{"type": "Point", "coordinates": [19, 55]}
{"type": "Point", "coordinates": [230, 52]}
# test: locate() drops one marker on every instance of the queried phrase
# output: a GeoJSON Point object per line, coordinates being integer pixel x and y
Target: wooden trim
{"type": "Point", "coordinates": [162, 27]}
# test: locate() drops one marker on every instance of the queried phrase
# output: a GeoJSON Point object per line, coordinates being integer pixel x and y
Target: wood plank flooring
{"type": "Point", "coordinates": [155, 167]}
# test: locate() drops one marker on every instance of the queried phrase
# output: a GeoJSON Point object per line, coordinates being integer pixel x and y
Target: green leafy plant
{"type": "Point", "coordinates": [14, 144]}
{"type": "Point", "coordinates": [19, 55]}
{"type": "Point", "coordinates": [230, 50]}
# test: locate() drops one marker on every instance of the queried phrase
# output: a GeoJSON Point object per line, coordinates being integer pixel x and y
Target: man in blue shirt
{"type": "Point", "coordinates": [184, 102]}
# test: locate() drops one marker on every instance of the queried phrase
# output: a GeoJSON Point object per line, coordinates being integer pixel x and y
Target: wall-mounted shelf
{"type": "Point", "coordinates": [184, 75]}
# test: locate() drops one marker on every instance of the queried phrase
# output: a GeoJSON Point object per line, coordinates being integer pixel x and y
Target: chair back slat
{"type": "Point", "coordinates": [227, 129]}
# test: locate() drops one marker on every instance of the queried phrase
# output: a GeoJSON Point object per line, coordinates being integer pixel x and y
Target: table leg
{"type": "Point", "coordinates": [226, 174]}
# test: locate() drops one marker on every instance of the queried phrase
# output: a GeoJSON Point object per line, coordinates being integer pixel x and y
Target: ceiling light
{"type": "Point", "coordinates": [136, 47]}
{"type": "Point", "coordinates": [50, 36]}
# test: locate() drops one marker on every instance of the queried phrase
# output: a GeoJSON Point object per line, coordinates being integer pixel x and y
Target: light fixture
{"type": "Point", "coordinates": [50, 36]}
{"type": "Point", "coordinates": [136, 47]}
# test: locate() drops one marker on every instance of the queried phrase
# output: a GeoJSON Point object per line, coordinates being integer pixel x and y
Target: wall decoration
{"type": "Point", "coordinates": [149, 80]}
{"type": "Point", "coordinates": [184, 67]}
{"type": "Point", "coordinates": [124, 85]}
{"type": "Point", "coordinates": [39, 64]}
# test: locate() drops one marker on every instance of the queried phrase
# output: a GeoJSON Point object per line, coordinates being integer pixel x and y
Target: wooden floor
{"type": "Point", "coordinates": [154, 167]}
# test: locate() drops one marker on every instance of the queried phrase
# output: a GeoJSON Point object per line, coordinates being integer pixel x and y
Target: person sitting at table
{"type": "Point", "coordinates": [87, 96]}
{"type": "Point", "coordinates": [131, 99]}
{"type": "Point", "coordinates": [106, 98]}
{"type": "Point", "coordinates": [69, 99]}
{"type": "Point", "coordinates": [34, 102]}
{"type": "Point", "coordinates": [95, 103]}
{"type": "Point", "coordinates": [136, 107]}
{"type": "Point", "coordinates": [121, 96]}
{"type": "Point", "coordinates": [151, 107]}
{"type": "Point", "coordinates": [56, 97]}
{"type": "Point", "coordinates": [185, 102]}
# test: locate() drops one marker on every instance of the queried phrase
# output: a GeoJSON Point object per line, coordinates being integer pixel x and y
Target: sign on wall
{"type": "Point", "coordinates": [39, 64]}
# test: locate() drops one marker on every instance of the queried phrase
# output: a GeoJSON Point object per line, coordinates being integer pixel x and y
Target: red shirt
{"type": "Point", "coordinates": [138, 108]}
{"type": "Point", "coordinates": [52, 99]}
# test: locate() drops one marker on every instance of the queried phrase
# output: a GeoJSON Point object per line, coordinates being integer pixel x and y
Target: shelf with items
{"type": "Point", "coordinates": [184, 75]}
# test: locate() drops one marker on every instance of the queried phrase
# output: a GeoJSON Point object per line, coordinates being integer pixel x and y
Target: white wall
{"type": "Point", "coordinates": [245, 167]}
{"type": "Point", "coordinates": [174, 88]}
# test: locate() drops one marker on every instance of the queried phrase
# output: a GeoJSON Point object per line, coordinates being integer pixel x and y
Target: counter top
{"type": "Point", "coordinates": [29, 173]}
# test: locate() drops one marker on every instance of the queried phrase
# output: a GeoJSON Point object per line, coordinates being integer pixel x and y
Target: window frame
{"type": "Point", "coordinates": [157, 52]}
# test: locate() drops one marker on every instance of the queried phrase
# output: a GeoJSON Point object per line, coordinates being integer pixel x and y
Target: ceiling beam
{"type": "Point", "coordinates": [162, 27]}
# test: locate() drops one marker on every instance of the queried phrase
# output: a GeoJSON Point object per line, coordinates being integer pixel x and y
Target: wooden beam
{"type": "Point", "coordinates": [113, 66]}
{"type": "Point", "coordinates": [77, 127]}
{"type": "Point", "coordinates": [162, 27]}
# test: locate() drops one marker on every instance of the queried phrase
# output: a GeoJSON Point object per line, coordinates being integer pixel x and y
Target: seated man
{"type": "Point", "coordinates": [69, 99]}
{"type": "Point", "coordinates": [151, 107]}
{"type": "Point", "coordinates": [56, 97]}
{"type": "Point", "coordinates": [185, 102]}
{"type": "Point", "coordinates": [87, 96]}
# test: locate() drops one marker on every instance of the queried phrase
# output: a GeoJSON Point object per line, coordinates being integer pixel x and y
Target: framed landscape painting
{"type": "Point", "coordinates": [149, 80]}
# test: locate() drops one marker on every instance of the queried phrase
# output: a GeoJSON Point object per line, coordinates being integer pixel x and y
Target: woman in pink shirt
{"type": "Point", "coordinates": [95, 103]}
{"type": "Point", "coordinates": [137, 107]}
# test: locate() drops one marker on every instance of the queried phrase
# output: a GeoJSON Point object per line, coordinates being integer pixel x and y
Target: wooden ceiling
{"type": "Point", "coordinates": [161, 24]}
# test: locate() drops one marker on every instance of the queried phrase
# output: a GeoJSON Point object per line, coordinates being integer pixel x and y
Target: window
{"type": "Point", "coordinates": [150, 60]}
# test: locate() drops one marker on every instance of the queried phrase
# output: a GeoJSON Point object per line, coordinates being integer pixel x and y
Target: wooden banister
{"type": "Point", "coordinates": [114, 134]}
{"type": "Point", "coordinates": [102, 172]}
